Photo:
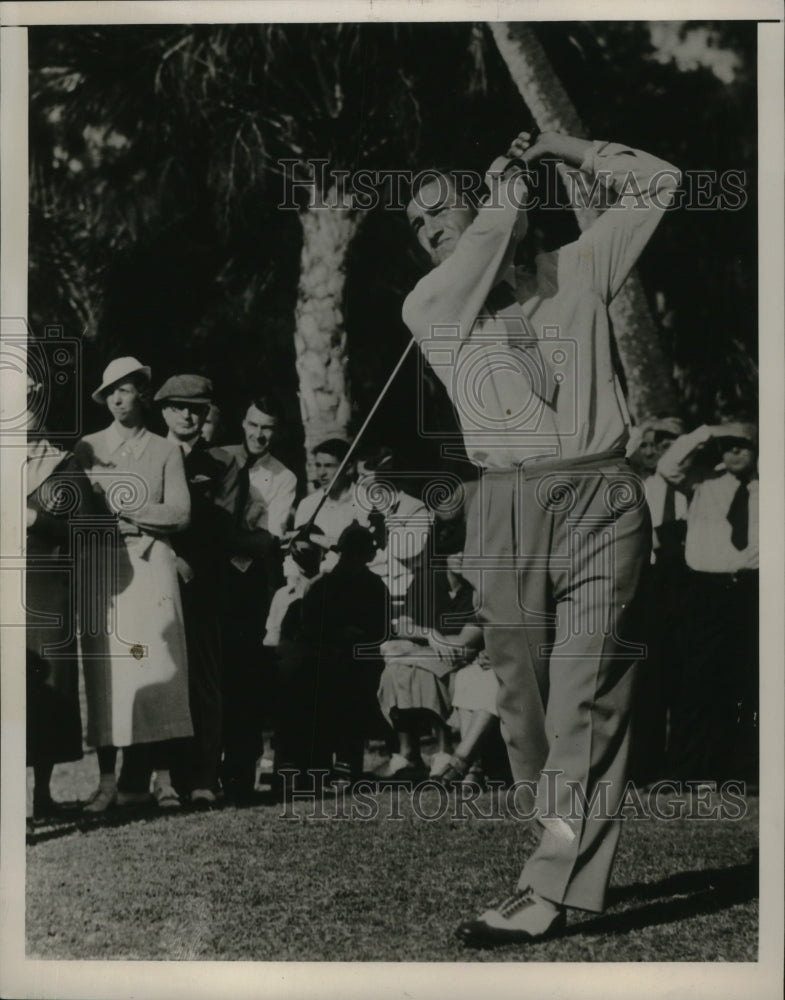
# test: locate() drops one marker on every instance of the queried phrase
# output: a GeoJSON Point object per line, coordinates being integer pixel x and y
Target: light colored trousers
{"type": "Point", "coordinates": [555, 554]}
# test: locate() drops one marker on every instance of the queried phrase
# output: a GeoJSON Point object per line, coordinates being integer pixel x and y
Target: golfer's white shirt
{"type": "Point", "coordinates": [536, 377]}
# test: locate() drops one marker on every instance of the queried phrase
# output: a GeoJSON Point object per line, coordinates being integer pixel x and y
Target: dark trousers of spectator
{"type": "Point", "coordinates": [197, 766]}
{"type": "Point", "coordinates": [355, 710]}
{"type": "Point", "coordinates": [714, 734]}
{"type": "Point", "coordinates": [659, 605]}
{"type": "Point", "coordinates": [303, 727]}
{"type": "Point", "coordinates": [141, 759]}
{"type": "Point", "coordinates": [246, 678]}
{"type": "Point", "coordinates": [326, 707]}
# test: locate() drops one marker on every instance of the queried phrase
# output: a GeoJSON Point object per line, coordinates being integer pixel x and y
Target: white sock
{"type": "Point", "coordinates": [163, 778]}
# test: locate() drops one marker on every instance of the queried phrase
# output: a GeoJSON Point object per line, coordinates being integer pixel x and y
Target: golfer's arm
{"type": "Point", "coordinates": [644, 185]}
{"type": "Point", "coordinates": [568, 148]}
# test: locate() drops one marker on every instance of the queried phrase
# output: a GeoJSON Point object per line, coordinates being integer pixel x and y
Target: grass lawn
{"type": "Point", "coordinates": [250, 884]}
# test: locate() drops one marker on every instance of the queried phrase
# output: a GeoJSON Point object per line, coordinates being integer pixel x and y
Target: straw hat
{"type": "Point", "coordinates": [117, 370]}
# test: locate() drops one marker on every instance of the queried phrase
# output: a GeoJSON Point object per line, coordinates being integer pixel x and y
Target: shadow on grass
{"type": "Point", "coordinates": [72, 820]}
{"type": "Point", "coordinates": [677, 897]}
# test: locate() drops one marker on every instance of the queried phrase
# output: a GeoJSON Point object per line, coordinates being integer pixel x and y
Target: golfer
{"type": "Point", "coordinates": [558, 530]}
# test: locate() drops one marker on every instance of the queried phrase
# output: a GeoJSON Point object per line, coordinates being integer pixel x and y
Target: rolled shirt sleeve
{"type": "Point", "coordinates": [281, 502]}
{"type": "Point", "coordinates": [675, 464]}
{"type": "Point", "coordinates": [644, 186]}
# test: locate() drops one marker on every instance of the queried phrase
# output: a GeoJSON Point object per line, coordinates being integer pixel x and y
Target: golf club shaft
{"type": "Point", "coordinates": [353, 446]}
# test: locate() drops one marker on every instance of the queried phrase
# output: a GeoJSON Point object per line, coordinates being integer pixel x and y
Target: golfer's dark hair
{"type": "Point", "coordinates": [335, 447]}
{"type": "Point", "coordinates": [465, 182]}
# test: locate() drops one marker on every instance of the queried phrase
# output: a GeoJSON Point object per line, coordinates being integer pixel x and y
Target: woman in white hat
{"type": "Point", "coordinates": [135, 665]}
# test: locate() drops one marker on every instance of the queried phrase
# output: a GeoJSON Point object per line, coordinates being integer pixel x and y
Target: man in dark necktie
{"type": "Point", "coordinates": [660, 603]}
{"type": "Point", "coordinates": [714, 717]}
{"type": "Point", "coordinates": [265, 498]}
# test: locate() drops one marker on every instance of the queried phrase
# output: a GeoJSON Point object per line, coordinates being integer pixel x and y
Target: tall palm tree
{"type": "Point", "coordinates": [650, 385]}
{"type": "Point", "coordinates": [337, 100]}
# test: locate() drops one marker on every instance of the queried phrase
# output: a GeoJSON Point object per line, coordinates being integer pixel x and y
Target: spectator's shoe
{"type": "Point", "coordinates": [242, 795]}
{"type": "Point", "coordinates": [45, 807]}
{"type": "Point", "coordinates": [454, 773]}
{"type": "Point", "coordinates": [166, 797]}
{"type": "Point", "coordinates": [475, 777]}
{"type": "Point", "coordinates": [398, 768]}
{"type": "Point", "coordinates": [203, 799]}
{"type": "Point", "coordinates": [103, 798]}
{"type": "Point", "coordinates": [264, 771]}
{"type": "Point", "coordinates": [522, 918]}
{"type": "Point", "coordinates": [134, 798]}
{"type": "Point", "coordinates": [439, 762]}
{"type": "Point", "coordinates": [342, 774]}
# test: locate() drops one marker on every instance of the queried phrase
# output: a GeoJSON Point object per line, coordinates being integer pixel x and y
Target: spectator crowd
{"type": "Point", "coordinates": [207, 607]}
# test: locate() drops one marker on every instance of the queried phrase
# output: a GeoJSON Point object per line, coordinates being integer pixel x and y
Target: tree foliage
{"type": "Point", "coordinates": [155, 181]}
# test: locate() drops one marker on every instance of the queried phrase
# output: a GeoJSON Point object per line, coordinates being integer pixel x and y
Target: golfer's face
{"type": "Point", "coordinates": [438, 218]}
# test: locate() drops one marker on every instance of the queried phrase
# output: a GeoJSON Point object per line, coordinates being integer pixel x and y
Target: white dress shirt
{"type": "Point", "coordinates": [335, 515]}
{"type": "Point", "coordinates": [536, 378]}
{"type": "Point", "coordinates": [272, 489]}
{"type": "Point", "coordinates": [709, 548]}
{"type": "Point", "coordinates": [656, 488]}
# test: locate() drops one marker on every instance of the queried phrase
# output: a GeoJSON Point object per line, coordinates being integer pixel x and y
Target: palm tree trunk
{"type": "Point", "coordinates": [650, 386]}
{"type": "Point", "coordinates": [320, 335]}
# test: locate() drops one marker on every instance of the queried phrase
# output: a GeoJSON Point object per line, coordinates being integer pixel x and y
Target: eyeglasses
{"type": "Point", "coordinates": [735, 444]}
{"type": "Point", "coordinates": [182, 407]}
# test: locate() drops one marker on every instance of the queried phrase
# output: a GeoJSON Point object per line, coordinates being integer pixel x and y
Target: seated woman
{"type": "Point", "coordinates": [474, 705]}
{"type": "Point", "coordinates": [437, 635]}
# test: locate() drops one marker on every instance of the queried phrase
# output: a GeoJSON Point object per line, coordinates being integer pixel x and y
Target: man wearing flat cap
{"type": "Point", "coordinates": [714, 717]}
{"type": "Point", "coordinates": [201, 551]}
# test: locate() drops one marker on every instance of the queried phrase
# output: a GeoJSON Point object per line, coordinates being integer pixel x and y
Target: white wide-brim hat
{"type": "Point", "coordinates": [119, 369]}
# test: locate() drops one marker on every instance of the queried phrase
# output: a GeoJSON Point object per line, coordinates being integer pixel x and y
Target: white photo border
{"type": "Point", "coordinates": [22, 977]}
